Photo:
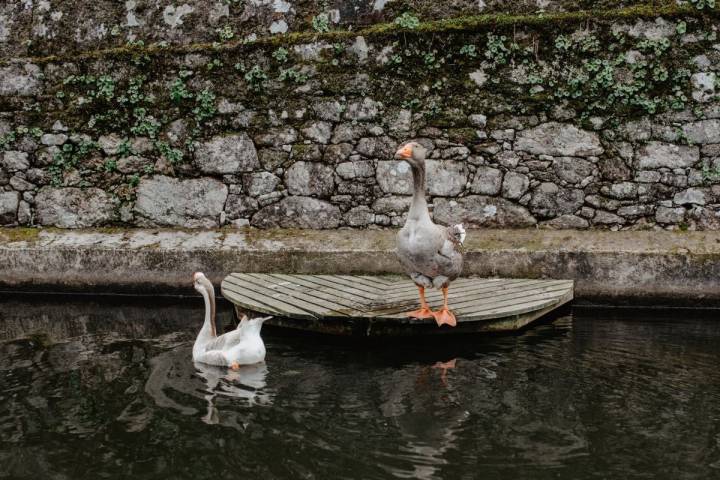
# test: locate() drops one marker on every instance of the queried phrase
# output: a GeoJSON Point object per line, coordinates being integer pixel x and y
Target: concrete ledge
{"type": "Point", "coordinates": [637, 268]}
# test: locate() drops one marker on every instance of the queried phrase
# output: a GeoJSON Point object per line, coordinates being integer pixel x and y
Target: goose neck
{"type": "Point", "coordinates": [418, 209]}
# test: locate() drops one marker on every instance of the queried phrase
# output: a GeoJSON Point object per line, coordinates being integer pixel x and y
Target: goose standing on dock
{"type": "Point", "coordinates": [431, 254]}
{"type": "Point", "coordinates": [242, 346]}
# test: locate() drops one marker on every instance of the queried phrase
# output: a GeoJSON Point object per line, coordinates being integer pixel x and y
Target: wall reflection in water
{"type": "Point", "coordinates": [106, 388]}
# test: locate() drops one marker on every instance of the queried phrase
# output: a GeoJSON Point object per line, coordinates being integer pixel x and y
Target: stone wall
{"type": "Point", "coordinates": [47, 27]}
{"type": "Point", "coordinates": [569, 120]}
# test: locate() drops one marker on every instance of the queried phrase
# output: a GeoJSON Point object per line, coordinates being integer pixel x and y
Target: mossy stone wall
{"type": "Point", "coordinates": [567, 118]}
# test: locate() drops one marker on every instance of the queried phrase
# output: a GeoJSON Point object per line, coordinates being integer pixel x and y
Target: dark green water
{"type": "Point", "coordinates": [96, 389]}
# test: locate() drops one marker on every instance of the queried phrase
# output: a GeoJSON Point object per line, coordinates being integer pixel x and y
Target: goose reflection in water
{"type": "Point", "coordinates": [176, 383]}
{"type": "Point", "coordinates": [426, 409]}
{"type": "Point", "coordinates": [246, 382]}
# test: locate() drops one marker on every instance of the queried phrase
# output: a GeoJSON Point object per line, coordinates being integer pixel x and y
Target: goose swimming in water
{"type": "Point", "coordinates": [242, 346]}
{"type": "Point", "coordinates": [431, 254]}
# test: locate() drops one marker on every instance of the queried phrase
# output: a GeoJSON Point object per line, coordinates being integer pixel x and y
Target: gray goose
{"type": "Point", "coordinates": [431, 254]}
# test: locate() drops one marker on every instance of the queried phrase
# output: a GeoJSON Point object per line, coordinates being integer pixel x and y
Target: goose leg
{"type": "Point", "coordinates": [444, 367]}
{"type": "Point", "coordinates": [444, 315]}
{"type": "Point", "coordinates": [424, 311]}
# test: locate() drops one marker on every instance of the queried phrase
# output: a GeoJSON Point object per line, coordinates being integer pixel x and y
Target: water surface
{"type": "Point", "coordinates": [96, 388]}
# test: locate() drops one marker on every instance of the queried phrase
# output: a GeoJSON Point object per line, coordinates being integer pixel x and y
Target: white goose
{"type": "Point", "coordinates": [242, 346]}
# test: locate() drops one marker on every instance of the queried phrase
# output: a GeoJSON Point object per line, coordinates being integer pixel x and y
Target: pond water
{"type": "Point", "coordinates": [96, 388]}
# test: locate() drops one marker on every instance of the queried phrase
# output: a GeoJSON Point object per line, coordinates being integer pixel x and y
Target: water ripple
{"type": "Point", "coordinates": [597, 395]}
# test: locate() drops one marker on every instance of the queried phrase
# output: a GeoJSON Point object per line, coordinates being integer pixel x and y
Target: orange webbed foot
{"type": "Point", "coordinates": [444, 367]}
{"type": "Point", "coordinates": [421, 313]}
{"type": "Point", "coordinates": [445, 316]}
{"type": "Point", "coordinates": [235, 366]}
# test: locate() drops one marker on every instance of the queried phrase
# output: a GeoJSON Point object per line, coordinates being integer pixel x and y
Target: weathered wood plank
{"type": "Point", "coordinates": [268, 305]}
{"type": "Point", "coordinates": [478, 293]}
{"type": "Point", "coordinates": [457, 292]}
{"type": "Point", "coordinates": [283, 297]}
{"type": "Point", "coordinates": [499, 310]}
{"type": "Point", "coordinates": [406, 285]}
{"type": "Point", "coordinates": [326, 281]}
{"type": "Point", "coordinates": [512, 295]}
{"type": "Point", "coordinates": [525, 308]}
{"type": "Point", "coordinates": [505, 303]}
{"type": "Point", "coordinates": [340, 280]}
{"type": "Point", "coordinates": [341, 299]}
{"type": "Point", "coordinates": [298, 292]}
{"type": "Point", "coordinates": [518, 302]}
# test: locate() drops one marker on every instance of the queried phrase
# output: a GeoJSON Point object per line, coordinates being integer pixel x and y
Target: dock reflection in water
{"type": "Point", "coordinates": [95, 388]}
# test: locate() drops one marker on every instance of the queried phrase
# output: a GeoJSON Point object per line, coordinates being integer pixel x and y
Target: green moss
{"type": "Point", "coordinates": [462, 135]}
{"type": "Point", "coordinates": [448, 25]}
{"type": "Point", "coordinates": [430, 75]}
{"type": "Point", "coordinates": [19, 234]}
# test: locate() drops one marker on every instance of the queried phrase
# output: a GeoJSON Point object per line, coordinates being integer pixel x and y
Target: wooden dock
{"type": "Point", "coordinates": [375, 305]}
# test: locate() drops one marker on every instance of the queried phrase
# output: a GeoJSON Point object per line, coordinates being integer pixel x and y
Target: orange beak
{"type": "Point", "coordinates": [405, 152]}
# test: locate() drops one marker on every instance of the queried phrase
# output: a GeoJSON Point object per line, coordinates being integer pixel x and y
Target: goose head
{"type": "Point", "coordinates": [201, 283]}
{"type": "Point", "coordinates": [413, 153]}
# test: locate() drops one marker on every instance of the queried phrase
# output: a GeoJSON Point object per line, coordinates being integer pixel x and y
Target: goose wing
{"type": "Point", "coordinates": [224, 341]}
{"type": "Point", "coordinates": [449, 257]}
{"type": "Point", "coordinates": [212, 357]}
{"type": "Point", "coordinates": [229, 339]}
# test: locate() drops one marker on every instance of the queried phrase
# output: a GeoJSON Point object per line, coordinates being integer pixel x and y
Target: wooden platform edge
{"type": "Point", "coordinates": [383, 325]}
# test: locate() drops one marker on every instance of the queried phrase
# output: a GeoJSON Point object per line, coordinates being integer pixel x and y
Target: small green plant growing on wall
{"type": "Point", "coordinates": [321, 23]}
{"type": "Point", "coordinates": [430, 60]}
{"type": "Point", "coordinates": [10, 137]}
{"type": "Point", "coordinates": [656, 47]}
{"type": "Point", "coordinates": [338, 50]}
{"type": "Point", "coordinates": [290, 74]}
{"type": "Point", "coordinates": [134, 180]}
{"type": "Point", "coordinates": [110, 165]}
{"type": "Point", "coordinates": [204, 106]}
{"type": "Point", "coordinates": [407, 20]}
{"type": "Point", "coordinates": [105, 87]}
{"type": "Point", "coordinates": [213, 64]}
{"type": "Point", "coordinates": [172, 155]}
{"type": "Point", "coordinates": [589, 43]}
{"type": "Point", "coordinates": [69, 156]}
{"type": "Point", "coordinates": [225, 33]}
{"type": "Point", "coordinates": [563, 43]}
{"type": "Point", "coordinates": [281, 55]}
{"type": "Point", "coordinates": [701, 4]}
{"type": "Point", "coordinates": [178, 91]}
{"type": "Point", "coordinates": [711, 175]}
{"type": "Point", "coordinates": [412, 104]}
{"type": "Point", "coordinates": [496, 51]}
{"type": "Point", "coordinates": [468, 50]}
{"type": "Point", "coordinates": [6, 140]}
{"type": "Point", "coordinates": [124, 149]}
{"type": "Point", "coordinates": [256, 78]}
{"type": "Point", "coordinates": [145, 124]}
{"type": "Point", "coordinates": [433, 109]}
